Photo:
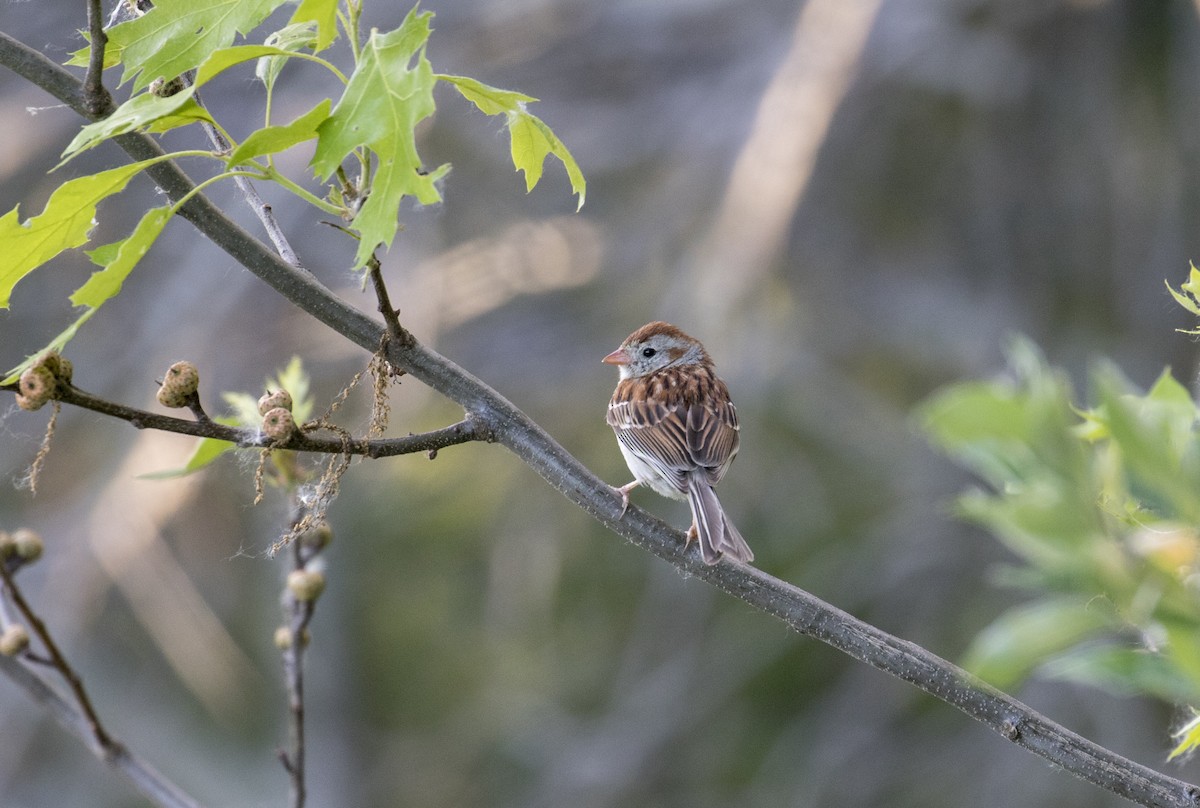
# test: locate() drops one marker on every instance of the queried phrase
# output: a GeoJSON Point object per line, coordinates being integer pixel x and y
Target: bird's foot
{"type": "Point", "coordinates": [623, 493]}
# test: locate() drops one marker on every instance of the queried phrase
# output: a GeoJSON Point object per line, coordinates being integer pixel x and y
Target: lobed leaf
{"type": "Point", "coordinates": [178, 35]}
{"type": "Point", "coordinates": [64, 224]}
{"type": "Point", "coordinates": [532, 141]}
{"type": "Point", "coordinates": [386, 97]}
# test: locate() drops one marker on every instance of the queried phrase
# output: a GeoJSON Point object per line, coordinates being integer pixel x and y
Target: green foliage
{"type": "Point", "coordinates": [1188, 295]}
{"type": "Point", "coordinates": [63, 224]}
{"type": "Point", "coordinates": [1102, 508]}
{"type": "Point", "coordinates": [277, 139]}
{"type": "Point", "coordinates": [532, 141]}
{"type": "Point", "coordinates": [385, 100]}
{"type": "Point", "coordinates": [365, 143]}
{"type": "Point", "coordinates": [178, 35]}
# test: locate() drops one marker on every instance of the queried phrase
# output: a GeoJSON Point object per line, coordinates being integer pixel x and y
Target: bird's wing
{"type": "Point", "coordinates": [712, 437]}
{"type": "Point", "coordinates": [657, 433]}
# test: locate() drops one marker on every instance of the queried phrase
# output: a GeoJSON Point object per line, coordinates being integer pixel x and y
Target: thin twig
{"type": "Point", "coordinates": [805, 613]}
{"type": "Point", "coordinates": [96, 98]}
{"type": "Point", "coordinates": [261, 209]}
{"type": "Point", "coordinates": [469, 429]}
{"type": "Point", "coordinates": [299, 613]}
{"type": "Point", "coordinates": [103, 739]}
{"type": "Point", "coordinates": [391, 317]}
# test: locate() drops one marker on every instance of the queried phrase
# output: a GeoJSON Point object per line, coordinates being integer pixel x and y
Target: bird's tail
{"type": "Point", "coordinates": [716, 533]}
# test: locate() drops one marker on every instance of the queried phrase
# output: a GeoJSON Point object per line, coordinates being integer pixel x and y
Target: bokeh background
{"type": "Point", "coordinates": [851, 202]}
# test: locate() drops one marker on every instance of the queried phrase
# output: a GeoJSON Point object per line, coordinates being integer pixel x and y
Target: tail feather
{"type": "Point", "coordinates": [716, 533]}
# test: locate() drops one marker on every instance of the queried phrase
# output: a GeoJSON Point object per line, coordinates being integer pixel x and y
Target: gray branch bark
{"type": "Point", "coordinates": [510, 427]}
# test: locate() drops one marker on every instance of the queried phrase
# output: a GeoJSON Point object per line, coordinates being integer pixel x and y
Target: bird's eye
{"type": "Point", "coordinates": [648, 352]}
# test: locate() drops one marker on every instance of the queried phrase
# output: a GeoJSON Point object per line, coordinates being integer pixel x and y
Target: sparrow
{"type": "Point", "coordinates": [677, 429]}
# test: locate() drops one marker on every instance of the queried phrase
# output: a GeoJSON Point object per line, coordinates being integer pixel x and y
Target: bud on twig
{"type": "Point", "coordinates": [269, 401]}
{"type": "Point", "coordinates": [180, 384]}
{"type": "Point", "coordinates": [278, 424]}
{"type": "Point", "coordinates": [27, 545]}
{"type": "Point", "coordinates": [14, 640]}
{"type": "Point", "coordinates": [306, 585]}
{"type": "Point", "coordinates": [35, 387]}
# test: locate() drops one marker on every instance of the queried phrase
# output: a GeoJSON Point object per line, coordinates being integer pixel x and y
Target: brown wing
{"type": "Point", "coordinates": [677, 433]}
{"type": "Point", "coordinates": [657, 434]}
{"type": "Point", "coordinates": [712, 435]}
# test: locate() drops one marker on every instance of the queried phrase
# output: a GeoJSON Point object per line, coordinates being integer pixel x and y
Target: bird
{"type": "Point", "coordinates": [677, 430]}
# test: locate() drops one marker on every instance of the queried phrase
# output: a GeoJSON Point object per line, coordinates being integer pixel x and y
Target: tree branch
{"type": "Point", "coordinates": [467, 430]}
{"type": "Point", "coordinates": [800, 610]}
{"type": "Point", "coordinates": [96, 98]}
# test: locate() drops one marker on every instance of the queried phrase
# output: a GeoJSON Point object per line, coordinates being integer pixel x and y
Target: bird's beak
{"type": "Point", "coordinates": [617, 357]}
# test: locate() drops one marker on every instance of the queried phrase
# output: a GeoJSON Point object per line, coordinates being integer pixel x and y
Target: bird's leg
{"type": "Point", "coordinates": [623, 493]}
{"type": "Point", "coordinates": [692, 535]}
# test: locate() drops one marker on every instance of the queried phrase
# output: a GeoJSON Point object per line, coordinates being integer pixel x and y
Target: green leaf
{"type": "Point", "coordinates": [291, 38]}
{"type": "Point", "coordinates": [159, 114]}
{"type": "Point", "coordinates": [1155, 436]}
{"type": "Point", "coordinates": [322, 13]}
{"type": "Point", "coordinates": [106, 283]}
{"type": "Point", "coordinates": [1188, 295]}
{"type": "Point", "coordinates": [1010, 648]}
{"type": "Point", "coordinates": [178, 35]}
{"type": "Point", "coordinates": [1188, 735]}
{"type": "Point", "coordinates": [83, 56]}
{"type": "Point", "coordinates": [64, 224]}
{"type": "Point", "coordinates": [531, 139]}
{"type": "Point", "coordinates": [56, 344]}
{"type": "Point", "coordinates": [532, 142]}
{"type": "Point", "coordinates": [140, 111]}
{"type": "Point", "coordinates": [489, 100]}
{"type": "Point", "coordinates": [386, 97]}
{"type": "Point", "coordinates": [275, 139]}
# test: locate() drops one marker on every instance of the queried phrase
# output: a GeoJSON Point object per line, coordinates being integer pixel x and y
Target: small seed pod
{"type": "Point", "coordinates": [269, 401]}
{"type": "Point", "coordinates": [283, 638]}
{"type": "Point", "coordinates": [179, 385]}
{"type": "Point", "coordinates": [306, 585]}
{"type": "Point", "coordinates": [278, 424]}
{"type": "Point", "coordinates": [27, 544]}
{"type": "Point", "coordinates": [14, 640]}
{"type": "Point", "coordinates": [317, 537]}
{"type": "Point", "coordinates": [35, 387]}
{"type": "Point", "coordinates": [59, 366]}
{"type": "Point", "coordinates": [8, 547]}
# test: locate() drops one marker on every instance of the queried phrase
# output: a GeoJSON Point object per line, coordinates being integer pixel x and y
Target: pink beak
{"type": "Point", "coordinates": [617, 357]}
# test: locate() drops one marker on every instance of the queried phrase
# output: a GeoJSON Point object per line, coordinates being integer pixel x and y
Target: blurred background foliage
{"type": "Point", "coordinates": [851, 203]}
